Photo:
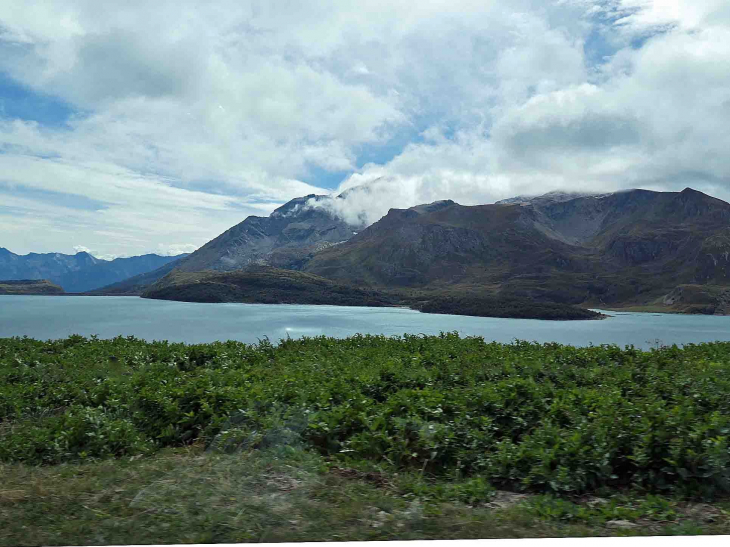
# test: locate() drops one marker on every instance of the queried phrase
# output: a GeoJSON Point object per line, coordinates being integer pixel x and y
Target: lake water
{"type": "Point", "coordinates": [45, 317]}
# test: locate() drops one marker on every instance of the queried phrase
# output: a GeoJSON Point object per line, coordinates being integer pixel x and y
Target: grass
{"type": "Point", "coordinates": [187, 495]}
{"type": "Point", "coordinates": [414, 437]}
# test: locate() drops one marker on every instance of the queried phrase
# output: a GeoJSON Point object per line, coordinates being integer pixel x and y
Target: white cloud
{"type": "Point", "coordinates": [190, 116]}
{"type": "Point", "coordinates": [95, 254]}
{"type": "Point", "coordinates": [174, 249]}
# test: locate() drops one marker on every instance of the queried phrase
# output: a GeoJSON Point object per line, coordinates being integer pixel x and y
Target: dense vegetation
{"type": "Point", "coordinates": [547, 418]}
{"type": "Point", "coordinates": [503, 307]}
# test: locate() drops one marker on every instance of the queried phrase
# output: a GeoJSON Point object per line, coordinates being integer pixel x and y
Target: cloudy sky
{"type": "Point", "coordinates": [139, 126]}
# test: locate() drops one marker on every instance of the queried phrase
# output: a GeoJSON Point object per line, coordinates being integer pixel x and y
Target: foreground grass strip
{"type": "Point", "coordinates": [287, 494]}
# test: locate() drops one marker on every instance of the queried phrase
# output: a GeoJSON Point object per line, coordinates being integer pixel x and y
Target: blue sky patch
{"type": "Point", "coordinates": [18, 101]}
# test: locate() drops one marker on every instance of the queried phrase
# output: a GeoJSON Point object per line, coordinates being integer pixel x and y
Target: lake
{"type": "Point", "coordinates": [45, 317]}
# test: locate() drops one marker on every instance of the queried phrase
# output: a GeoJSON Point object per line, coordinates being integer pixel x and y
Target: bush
{"type": "Point", "coordinates": [546, 418]}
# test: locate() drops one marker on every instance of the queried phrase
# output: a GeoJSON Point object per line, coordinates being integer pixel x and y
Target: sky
{"type": "Point", "coordinates": [155, 126]}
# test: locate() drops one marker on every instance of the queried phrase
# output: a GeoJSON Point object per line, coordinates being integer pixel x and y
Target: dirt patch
{"type": "Point", "coordinates": [702, 512]}
{"type": "Point", "coordinates": [13, 496]}
{"type": "Point", "coordinates": [281, 482]}
{"type": "Point", "coordinates": [503, 499]}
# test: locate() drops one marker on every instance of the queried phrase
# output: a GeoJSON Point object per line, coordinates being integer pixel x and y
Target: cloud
{"type": "Point", "coordinates": [653, 116]}
{"type": "Point", "coordinates": [188, 116]}
{"type": "Point", "coordinates": [95, 254]}
{"type": "Point", "coordinates": [174, 249]}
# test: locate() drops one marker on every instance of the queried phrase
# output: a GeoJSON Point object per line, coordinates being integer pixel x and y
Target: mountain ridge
{"type": "Point", "coordinates": [623, 247]}
{"type": "Point", "coordinates": [79, 272]}
{"type": "Point", "coordinates": [628, 248]}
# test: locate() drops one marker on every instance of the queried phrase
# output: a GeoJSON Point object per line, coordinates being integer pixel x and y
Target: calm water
{"type": "Point", "coordinates": [45, 317]}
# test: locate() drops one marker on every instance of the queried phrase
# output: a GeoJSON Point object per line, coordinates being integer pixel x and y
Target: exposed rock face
{"type": "Point", "coordinates": [285, 239]}
{"type": "Point", "coordinates": [704, 299]}
{"type": "Point", "coordinates": [545, 199]}
{"type": "Point", "coordinates": [639, 251]}
{"type": "Point", "coordinates": [713, 260]}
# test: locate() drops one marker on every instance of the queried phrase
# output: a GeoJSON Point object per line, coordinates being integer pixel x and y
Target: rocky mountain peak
{"type": "Point", "coordinates": [283, 239]}
{"type": "Point", "coordinates": [556, 196]}
{"type": "Point", "coordinates": [433, 207]}
{"type": "Point", "coordinates": [295, 205]}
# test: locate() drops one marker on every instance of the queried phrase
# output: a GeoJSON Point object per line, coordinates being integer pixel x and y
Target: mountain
{"type": "Point", "coordinates": [104, 273]}
{"type": "Point", "coordinates": [662, 250]}
{"type": "Point", "coordinates": [42, 265]}
{"type": "Point", "coordinates": [29, 286]}
{"type": "Point", "coordinates": [285, 239]}
{"type": "Point", "coordinates": [626, 248]}
{"type": "Point", "coordinates": [135, 285]}
{"type": "Point", "coordinates": [76, 273]}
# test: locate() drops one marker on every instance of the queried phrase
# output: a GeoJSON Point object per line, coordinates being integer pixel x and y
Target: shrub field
{"type": "Point", "coordinates": [549, 419]}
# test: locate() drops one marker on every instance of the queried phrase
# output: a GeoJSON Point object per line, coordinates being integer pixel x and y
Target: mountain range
{"type": "Point", "coordinates": [667, 251]}
{"type": "Point", "coordinates": [635, 249]}
{"type": "Point", "coordinates": [76, 273]}
{"type": "Point", "coordinates": [620, 249]}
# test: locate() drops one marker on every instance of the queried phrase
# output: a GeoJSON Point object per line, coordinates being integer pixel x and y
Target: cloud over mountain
{"type": "Point", "coordinates": [164, 124]}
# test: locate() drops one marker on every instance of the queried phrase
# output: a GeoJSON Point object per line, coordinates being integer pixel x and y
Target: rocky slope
{"type": "Point", "coordinates": [77, 273]}
{"type": "Point", "coordinates": [285, 239]}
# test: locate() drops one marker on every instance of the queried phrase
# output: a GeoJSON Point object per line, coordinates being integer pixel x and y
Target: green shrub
{"type": "Point", "coordinates": [77, 434]}
{"type": "Point", "coordinates": [546, 418]}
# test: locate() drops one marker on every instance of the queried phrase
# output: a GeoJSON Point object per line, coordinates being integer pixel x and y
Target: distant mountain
{"type": "Point", "coordinates": [625, 248]}
{"type": "Point", "coordinates": [29, 286]}
{"type": "Point", "coordinates": [135, 285]}
{"type": "Point", "coordinates": [76, 273]}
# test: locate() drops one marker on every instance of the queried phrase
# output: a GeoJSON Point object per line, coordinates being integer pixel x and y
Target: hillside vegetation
{"type": "Point", "coordinates": [490, 306]}
{"type": "Point", "coordinates": [265, 285]}
{"type": "Point", "coordinates": [29, 286]}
